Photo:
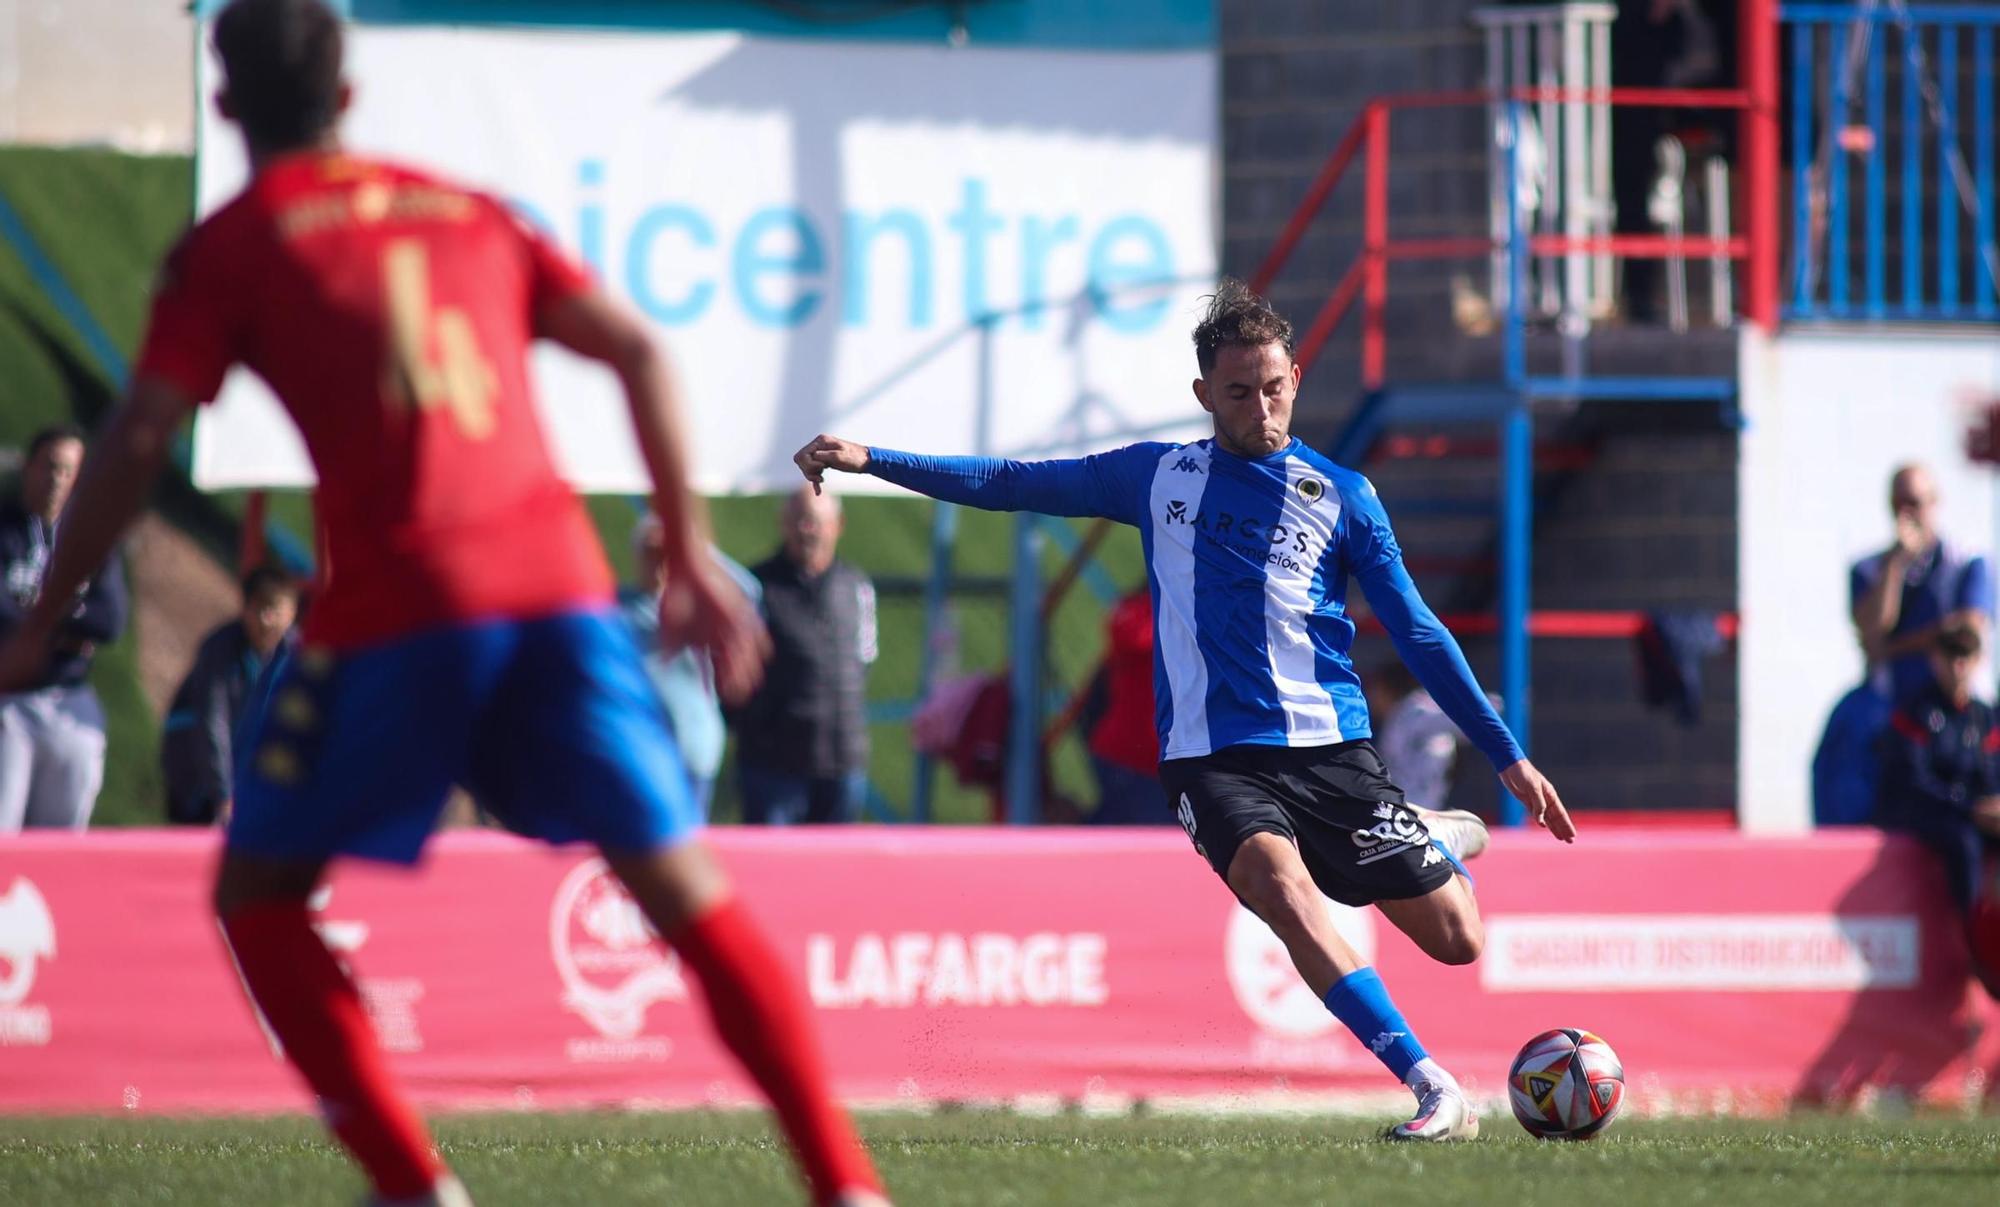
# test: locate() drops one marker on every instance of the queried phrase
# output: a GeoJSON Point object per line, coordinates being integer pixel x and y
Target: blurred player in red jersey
{"type": "Point", "coordinates": [465, 630]}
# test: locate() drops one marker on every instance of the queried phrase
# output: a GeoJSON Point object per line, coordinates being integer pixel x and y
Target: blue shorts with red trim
{"type": "Point", "coordinates": [552, 724]}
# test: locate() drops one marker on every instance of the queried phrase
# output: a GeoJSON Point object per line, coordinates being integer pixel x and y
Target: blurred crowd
{"type": "Point", "coordinates": [1915, 746]}
{"type": "Point", "coordinates": [52, 734]}
{"type": "Point", "coordinates": [801, 751]}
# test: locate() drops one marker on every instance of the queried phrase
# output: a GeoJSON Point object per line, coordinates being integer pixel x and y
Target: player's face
{"type": "Point", "coordinates": [811, 530]}
{"type": "Point", "coordinates": [1913, 497]}
{"type": "Point", "coordinates": [1250, 393]}
{"type": "Point", "coordinates": [267, 617]}
{"type": "Point", "coordinates": [1955, 672]}
{"type": "Point", "coordinates": [46, 481]}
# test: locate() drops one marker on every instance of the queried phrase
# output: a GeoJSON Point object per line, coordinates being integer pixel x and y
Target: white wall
{"type": "Point", "coordinates": [118, 72]}
{"type": "Point", "coordinates": [727, 187]}
{"type": "Point", "coordinates": [1831, 413]}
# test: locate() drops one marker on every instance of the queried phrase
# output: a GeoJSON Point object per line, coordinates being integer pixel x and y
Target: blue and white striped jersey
{"type": "Point", "coordinates": [1249, 561]}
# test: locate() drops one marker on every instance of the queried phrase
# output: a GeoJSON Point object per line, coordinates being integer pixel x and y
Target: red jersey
{"type": "Point", "coordinates": [391, 313]}
{"type": "Point", "coordinates": [1128, 733]}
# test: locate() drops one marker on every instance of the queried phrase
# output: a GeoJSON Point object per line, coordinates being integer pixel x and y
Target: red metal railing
{"type": "Point", "coordinates": [1367, 275]}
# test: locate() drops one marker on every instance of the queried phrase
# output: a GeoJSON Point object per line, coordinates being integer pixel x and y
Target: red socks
{"type": "Point", "coordinates": [759, 1014]}
{"type": "Point", "coordinates": [317, 1014]}
{"type": "Point", "coordinates": [314, 1009]}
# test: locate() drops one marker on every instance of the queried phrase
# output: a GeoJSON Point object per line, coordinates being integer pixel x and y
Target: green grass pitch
{"type": "Point", "coordinates": [983, 1158]}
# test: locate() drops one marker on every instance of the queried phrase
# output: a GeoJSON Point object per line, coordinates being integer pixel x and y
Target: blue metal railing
{"type": "Point", "coordinates": [1944, 131]}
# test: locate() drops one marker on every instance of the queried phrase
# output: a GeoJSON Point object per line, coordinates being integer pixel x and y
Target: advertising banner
{"type": "Point", "coordinates": [987, 965]}
{"type": "Point", "coordinates": [991, 250]}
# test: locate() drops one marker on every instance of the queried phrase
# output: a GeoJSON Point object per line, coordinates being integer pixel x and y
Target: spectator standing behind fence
{"type": "Point", "coordinates": [1125, 738]}
{"type": "Point", "coordinates": [197, 743]}
{"type": "Point", "coordinates": [802, 739]}
{"type": "Point", "coordinates": [684, 678]}
{"type": "Point", "coordinates": [1417, 741]}
{"type": "Point", "coordinates": [1900, 598]}
{"type": "Point", "coordinates": [1903, 596]}
{"type": "Point", "coordinates": [52, 735]}
{"type": "Point", "coordinates": [1941, 764]}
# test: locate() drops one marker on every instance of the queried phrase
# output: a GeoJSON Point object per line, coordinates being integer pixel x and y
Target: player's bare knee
{"type": "Point", "coordinates": [1462, 943]}
{"type": "Point", "coordinates": [1283, 898]}
{"type": "Point", "coordinates": [1462, 949]}
{"type": "Point", "coordinates": [673, 885]}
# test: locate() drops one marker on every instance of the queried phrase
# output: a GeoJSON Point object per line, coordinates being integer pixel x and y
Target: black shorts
{"type": "Point", "coordinates": [1359, 839]}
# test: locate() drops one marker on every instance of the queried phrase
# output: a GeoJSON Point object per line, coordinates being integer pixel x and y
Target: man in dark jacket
{"type": "Point", "coordinates": [802, 739]}
{"type": "Point", "coordinates": [1941, 765]}
{"type": "Point", "coordinates": [195, 749]}
{"type": "Point", "coordinates": [52, 735]}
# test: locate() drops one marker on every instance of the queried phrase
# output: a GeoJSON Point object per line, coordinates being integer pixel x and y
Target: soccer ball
{"type": "Point", "coordinates": [1566, 1084]}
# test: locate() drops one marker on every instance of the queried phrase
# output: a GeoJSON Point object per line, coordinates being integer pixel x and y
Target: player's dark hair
{"type": "Point", "coordinates": [282, 62]}
{"type": "Point", "coordinates": [1237, 317]}
{"type": "Point", "coordinates": [55, 433]}
{"type": "Point", "coordinates": [1957, 640]}
{"type": "Point", "coordinates": [269, 580]}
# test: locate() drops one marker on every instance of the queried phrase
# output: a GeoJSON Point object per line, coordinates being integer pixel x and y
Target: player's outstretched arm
{"type": "Point", "coordinates": [118, 474]}
{"type": "Point", "coordinates": [700, 605]}
{"type": "Point", "coordinates": [1371, 551]}
{"type": "Point", "coordinates": [1106, 485]}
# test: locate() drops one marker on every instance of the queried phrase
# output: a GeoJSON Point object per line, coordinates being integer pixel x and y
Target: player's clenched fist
{"type": "Point", "coordinates": [824, 452]}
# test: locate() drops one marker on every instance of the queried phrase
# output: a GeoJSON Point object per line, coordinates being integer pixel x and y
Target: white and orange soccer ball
{"type": "Point", "coordinates": [1566, 1084]}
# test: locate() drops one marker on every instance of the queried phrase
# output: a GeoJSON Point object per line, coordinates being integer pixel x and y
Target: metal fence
{"type": "Point", "coordinates": [1891, 125]}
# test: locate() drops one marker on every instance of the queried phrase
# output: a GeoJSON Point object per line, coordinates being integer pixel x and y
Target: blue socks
{"type": "Point", "coordinates": [1361, 1001]}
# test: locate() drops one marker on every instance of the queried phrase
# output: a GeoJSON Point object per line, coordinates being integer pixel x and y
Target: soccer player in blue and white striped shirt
{"type": "Point", "coordinates": [1250, 539]}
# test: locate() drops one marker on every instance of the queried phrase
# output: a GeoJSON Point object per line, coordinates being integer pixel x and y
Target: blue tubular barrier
{"type": "Point", "coordinates": [1945, 95]}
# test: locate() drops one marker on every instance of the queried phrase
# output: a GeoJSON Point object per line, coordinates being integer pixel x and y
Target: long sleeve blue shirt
{"type": "Point", "coordinates": [1249, 561]}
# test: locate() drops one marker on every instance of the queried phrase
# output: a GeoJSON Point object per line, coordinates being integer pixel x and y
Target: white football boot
{"type": "Point", "coordinates": [1442, 1114]}
{"type": "Point", "coordinates": [1460, 830]}
{"type": "Point", "coordinates": [861, 1198]}
{"type": "Point", "coordinates": [448, 1192]}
